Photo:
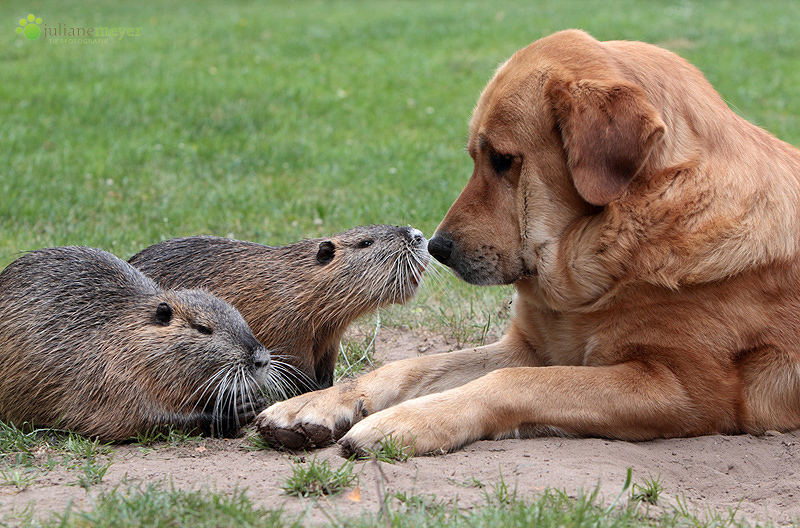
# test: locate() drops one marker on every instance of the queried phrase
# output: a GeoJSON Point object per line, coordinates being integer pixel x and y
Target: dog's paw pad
{"type": "Point", "coordinates": [318, 435]}
{"type": "Point", "coordinates": [297, 437]}
{"type": "Point", "coordinates": [348, 448]}
{"type": "Point", "coordinates": [290, 439]}
{"type": "Point", "coordinates": [281, 436]}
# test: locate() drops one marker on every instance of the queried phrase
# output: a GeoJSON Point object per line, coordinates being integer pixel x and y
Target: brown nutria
{"type": "Point", "coordinates": [89, 344]}
{"type": "Point", "coordinates": [298, 299]}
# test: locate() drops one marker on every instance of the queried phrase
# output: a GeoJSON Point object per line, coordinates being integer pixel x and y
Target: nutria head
{"type": "Point", "coordinates": [367, 267]}
{"type": "Point", "coordinates": [217, 363]}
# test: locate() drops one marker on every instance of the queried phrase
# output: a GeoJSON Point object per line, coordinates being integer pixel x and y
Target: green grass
{"type": "Point", "coordinates": [90, 459]}
{"type": "Point", "coordinates": [357, 354]}
{"type": "Point", "coordinates": [313, 478]}
{"type": "Point", "coordinates": [648, 491]}
{"type": "Point", "coordinates": [165, 436]}
{"type": "Point", "coordinates": [160, 505]}
{"type": "Point", "coordinates": [27, 454]}
{"type": "Point", "coordinates": [274, 121]}
{"type": "Point", "coordinates": [390, 450]}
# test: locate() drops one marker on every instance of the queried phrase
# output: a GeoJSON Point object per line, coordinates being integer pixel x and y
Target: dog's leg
{"type": "Point", "coordinates": [318, 418]}
{"type": "Point", "coordinates": [630, 401]}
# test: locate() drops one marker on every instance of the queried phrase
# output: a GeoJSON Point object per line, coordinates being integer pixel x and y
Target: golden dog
{"type": "Point", "coordinates": [652, 236]}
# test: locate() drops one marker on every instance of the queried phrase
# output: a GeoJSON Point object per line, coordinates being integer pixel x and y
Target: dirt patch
{"type": "Point", "coordinates": [758, 475]}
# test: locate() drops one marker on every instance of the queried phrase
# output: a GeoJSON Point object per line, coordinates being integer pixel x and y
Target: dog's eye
{"type": "Point", "coordinates": [501, 162]}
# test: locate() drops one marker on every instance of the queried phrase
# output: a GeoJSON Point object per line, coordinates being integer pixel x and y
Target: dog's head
{"type": "Point", "coordinates": [557, 134]}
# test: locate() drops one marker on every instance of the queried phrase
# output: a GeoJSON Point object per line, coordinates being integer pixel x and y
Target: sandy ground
{"type": "Point", "coordinates": [759, 476]}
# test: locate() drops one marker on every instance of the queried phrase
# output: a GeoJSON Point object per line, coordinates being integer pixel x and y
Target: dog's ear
{"type": "Point", "coordinates": [608, 130]}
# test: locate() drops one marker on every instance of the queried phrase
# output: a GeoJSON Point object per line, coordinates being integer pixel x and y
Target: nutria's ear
{"type": "Point", "coordinates": [608, 130]}
{"type": "Point", "coordinates": [163, 314]}
{"type": "Point", "coordinates": [326, 252]}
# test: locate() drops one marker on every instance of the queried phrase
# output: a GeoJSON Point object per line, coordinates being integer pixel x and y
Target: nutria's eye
{"type": "Point", "coordinates": [365, 243]}
{"type": "Point", "coordinates": [163, 314]}
{"type": "Point", "coordinates": [203, 329]}
{"type": "Point", "coordinates": [501, 162]}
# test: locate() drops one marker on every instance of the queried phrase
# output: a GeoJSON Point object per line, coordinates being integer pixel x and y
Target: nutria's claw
{"type": "Point", "coordinates": [247, 412]}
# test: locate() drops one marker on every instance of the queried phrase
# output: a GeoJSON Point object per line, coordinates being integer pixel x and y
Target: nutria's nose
{"type": "Point", "coordinates": [417, 237]}
{"type": "Point", "coordinates": [261, 358]}
{"type": "Point", "coordinates": [413, 235]}
{"type": "Point", "coordinates": [441, 247]}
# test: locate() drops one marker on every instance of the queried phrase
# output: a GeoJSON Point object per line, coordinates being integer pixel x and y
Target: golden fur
{"type": "Point", "coordinates": [652, 236]}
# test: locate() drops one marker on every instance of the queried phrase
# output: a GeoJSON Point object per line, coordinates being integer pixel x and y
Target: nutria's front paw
{"type": "Point", "coordinates": [315, 419]}
{"type": "Point", "coordinates": [247, 411]}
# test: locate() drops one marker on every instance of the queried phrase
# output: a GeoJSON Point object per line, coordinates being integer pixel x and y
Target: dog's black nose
{"type": "Point", "coordinates": [441, 247]}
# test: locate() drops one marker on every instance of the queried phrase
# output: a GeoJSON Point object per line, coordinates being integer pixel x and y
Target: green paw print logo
{"type": "Point", "coordinates": [29, 27]}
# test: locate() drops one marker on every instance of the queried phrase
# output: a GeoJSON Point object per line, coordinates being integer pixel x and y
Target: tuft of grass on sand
{"type": "Point", "coordinates": [314, 478]}
{"type": "Point", "coordinates": [391, 450]}
{"type": "Point", "coordinates": [648, 491]}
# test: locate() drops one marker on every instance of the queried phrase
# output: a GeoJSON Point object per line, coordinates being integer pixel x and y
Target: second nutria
{"type": "Point", "coordinates": [298, 299]}
{"type": "Point", "coordinates": [89, 344]}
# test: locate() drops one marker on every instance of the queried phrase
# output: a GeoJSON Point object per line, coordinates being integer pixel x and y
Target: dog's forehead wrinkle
{"type": "Point", "coordinates": [501, 131]}
{"type": "Point", "coordinates": [508, 114]}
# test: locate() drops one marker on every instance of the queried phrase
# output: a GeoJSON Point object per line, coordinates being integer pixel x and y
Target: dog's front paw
{"type": "Point", "coordinates": [314, 419]}
{"type": "Point", "coordinates": [417, 427]}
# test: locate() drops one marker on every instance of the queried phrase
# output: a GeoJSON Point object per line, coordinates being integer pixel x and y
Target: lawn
{"type": "Point", "coordinates": [273, 121]}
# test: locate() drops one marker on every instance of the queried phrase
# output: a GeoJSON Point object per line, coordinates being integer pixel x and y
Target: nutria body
{"type": "Point", "coordinates": [298, 299]}
{"type": "Point", "coordinates": [89, 344]}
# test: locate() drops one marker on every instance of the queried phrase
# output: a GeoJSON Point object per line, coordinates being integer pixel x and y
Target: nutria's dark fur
{"type": "Point", "coordinates": [89, 344]}
{"type": "Point", "coordinates": [298, 299]}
